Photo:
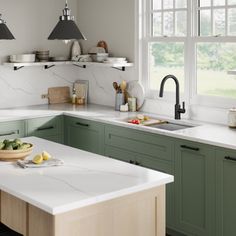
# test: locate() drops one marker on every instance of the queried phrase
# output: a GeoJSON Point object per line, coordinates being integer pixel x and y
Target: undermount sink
{"type": "Point", "coordinates": [171, 126]}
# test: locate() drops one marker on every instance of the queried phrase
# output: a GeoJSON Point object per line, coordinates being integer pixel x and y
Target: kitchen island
{"type": "Point", "coordinates": [90, 195]}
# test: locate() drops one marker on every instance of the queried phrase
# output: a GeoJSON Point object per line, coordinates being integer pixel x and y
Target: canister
{"type": "Point", "coordinates": [132, 104]}
{"type": "Point", "coordinates": [232, 118]}
{"type": "Point", "coordinates": [120, 100]}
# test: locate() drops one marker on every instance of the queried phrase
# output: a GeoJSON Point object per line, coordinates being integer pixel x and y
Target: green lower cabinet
{"type": "Point", "coordinates": [50, 128]}
{"type": "Point", "coordinates": [84, 134]}
{"type": "Point", "coordinates": [195, 188]}
{"type": "Point", "coordinates": [151, 163]}
{"type": "Point", "coordinates": [12, 130]}
{"type": "Point", "coordinates": [225, 192]}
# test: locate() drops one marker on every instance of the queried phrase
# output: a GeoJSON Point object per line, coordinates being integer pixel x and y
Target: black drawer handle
{"type": "Point", "coordinates": [81, 124]}
{"type": "Point", "coordinates": [8, 134]}
{"type": "Point", "coordinates": [230, 158]}
{"type": "Point", "coordinates": [45, 128]}
{"type": "Point", "coordinates": [190, 148]}
{"type": "Point", "coordinates": [137, 163]}
{"type": "Point", "coordinates": [131, 162]}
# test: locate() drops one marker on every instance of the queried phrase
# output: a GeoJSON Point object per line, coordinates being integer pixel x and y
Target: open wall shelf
{"type": "Point", "coordinates": [48, 65]}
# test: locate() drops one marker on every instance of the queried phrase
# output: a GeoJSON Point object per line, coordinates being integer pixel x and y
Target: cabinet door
{"type": "Point", "coordinates": [84, 134]}
{"type": "Point", "coordinates": [195, 188]}
{"type": "Point", "coordinates": [225, 192]}
{"type": "Point", "coordinates": [50, 128]}
{"type": "Point", "coordinates": [148, 162]}
{"type": "Point", "coordinates": [12, 130]}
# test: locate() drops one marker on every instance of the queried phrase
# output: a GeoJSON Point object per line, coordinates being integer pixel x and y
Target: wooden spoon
{"type": "Point", "coordinates": [123, 86]}
{"type": "Point", "coordinates": [115, 86]}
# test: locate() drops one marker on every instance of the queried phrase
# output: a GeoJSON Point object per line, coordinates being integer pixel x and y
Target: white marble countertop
{"type": "Point", "coordinates": [83, 180]}
{"type": "Point", "coordinates": [212, 134]}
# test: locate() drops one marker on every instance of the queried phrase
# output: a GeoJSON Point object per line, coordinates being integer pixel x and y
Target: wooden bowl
{"type": "Point", "coordinates": [14, 155]}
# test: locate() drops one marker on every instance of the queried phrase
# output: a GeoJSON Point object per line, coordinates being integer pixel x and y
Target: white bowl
{"type": "Point", "coordinates": [22, 58]}
{"type": "Point", "coordinates": [99, 57]}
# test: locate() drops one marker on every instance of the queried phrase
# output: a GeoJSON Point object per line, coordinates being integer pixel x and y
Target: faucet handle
{"type": "Point", "coordinates": [183, 109]}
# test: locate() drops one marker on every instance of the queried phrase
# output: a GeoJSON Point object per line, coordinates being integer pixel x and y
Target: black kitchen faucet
{"type": "Point", "coordinates": [178, 109]}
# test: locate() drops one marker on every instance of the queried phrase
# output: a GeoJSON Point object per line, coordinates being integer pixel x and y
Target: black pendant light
{"type": "Point", "coordinates": [5, 33]}
{"type": "Point", "coordinates": [66, 29]}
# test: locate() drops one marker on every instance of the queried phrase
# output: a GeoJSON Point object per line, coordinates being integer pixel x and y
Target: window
{"type": "Point", "coordinates": [195, 40]}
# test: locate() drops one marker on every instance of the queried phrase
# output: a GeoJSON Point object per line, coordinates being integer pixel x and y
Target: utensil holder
{"type": "Point", "coordinates": [120, 100]}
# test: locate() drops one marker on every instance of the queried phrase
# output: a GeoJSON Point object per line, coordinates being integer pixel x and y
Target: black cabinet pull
{"type": "Point", "coordinates": [131, 162]}
{"type": "Point", "coordinates": [45, 128]}
{"type": "Point", "coordinates": [190, 148]}
{"type": "Point", "coordinates": [81, 124]}
{"type": "Point", "coordinates": [137, 163]}
{"type": "Point", "coordinates": [230, 158]}
{"type": "Point", "coordinates": [7, 134]}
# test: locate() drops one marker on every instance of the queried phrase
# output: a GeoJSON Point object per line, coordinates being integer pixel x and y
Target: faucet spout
{"type": "Point", "coordinates": [178, 109]}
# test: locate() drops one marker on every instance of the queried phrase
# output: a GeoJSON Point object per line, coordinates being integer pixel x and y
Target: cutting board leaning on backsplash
{"type": "Point", "coordinates": [58, 95]}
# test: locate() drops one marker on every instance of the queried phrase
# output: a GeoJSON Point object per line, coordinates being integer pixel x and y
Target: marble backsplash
{"type": "Point", "coordinates": [25, 86]}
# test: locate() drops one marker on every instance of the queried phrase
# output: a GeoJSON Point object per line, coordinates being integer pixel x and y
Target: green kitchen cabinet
{"type": "Point", "coordinates": [84, 134]}
{"type": "Point", "coordinates": [225, 192]}
{"type": "Point", "coordinates": [50, 128]}
{"type": "Point", "coordinates": [154, 145]}
{"type": "Point", "coordinates": [12, 130]}
{"type": "Point", "coordinates": [195, 188]}
{"type": "Point", "coordinates": [144, 149]}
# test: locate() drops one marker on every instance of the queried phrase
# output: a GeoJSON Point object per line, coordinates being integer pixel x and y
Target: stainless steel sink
{"type": "Point", "coordinates": [171, 126]}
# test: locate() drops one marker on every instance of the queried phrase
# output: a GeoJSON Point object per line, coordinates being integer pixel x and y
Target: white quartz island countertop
{"type": "Point", "coordinates": [83, 180]}
{"type": "Point", "coordinates": [212, 134]}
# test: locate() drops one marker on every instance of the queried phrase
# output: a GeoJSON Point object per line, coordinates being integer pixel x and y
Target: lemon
{"type": "Point", "coordinates": [46, 155]}
{"type": "Point", "coordinates": [38, 159]}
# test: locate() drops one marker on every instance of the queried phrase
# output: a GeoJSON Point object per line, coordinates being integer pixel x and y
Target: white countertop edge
{"type": "Point", "coordinates": [118, 122]}
{"type": "Point", "coordinates": [93, 200]}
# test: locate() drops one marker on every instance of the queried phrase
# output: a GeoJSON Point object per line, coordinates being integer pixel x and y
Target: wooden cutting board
{"type": "Point", "coordinates": [150, 122]}
{"type": "Point", "coordinates": [58, 95]}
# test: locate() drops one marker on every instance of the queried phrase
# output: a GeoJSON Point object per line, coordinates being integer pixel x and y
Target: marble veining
{"type": "Point", "coordinates": [85, 179]}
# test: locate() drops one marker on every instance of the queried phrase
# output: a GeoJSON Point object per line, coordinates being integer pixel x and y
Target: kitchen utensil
{"type": "Point", "coordinates": [81, 91]}
{"type": "Point", "coordinates": [123, 86]}
{"type": "Point", "coordinates": [151, 121]}
{"type": "Point", "coordinates": [14, 155]}
{"type": "Point", "coordinates": [115, 86]}
{"type": "Point", "coordinates": [232, 118]}
{"type": "Point", "coordinates": [58, 95]}
{"type": "Point", "coordinates": [22, 58]}
{"type": "Point", "coordinates": [120, 100]}
{"type": "Point", "coordinates": [135, 89]}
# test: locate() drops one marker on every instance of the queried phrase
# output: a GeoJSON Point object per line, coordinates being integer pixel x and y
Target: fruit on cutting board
{"type": "Point", "coordinates": [15, 144]}
{"type": "Point", "coordinates": [38, 159]}
{"type": "Point", "coordinates": [139, 119]}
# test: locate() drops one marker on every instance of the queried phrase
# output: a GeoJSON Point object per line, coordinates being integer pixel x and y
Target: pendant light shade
{"type": "Point", "coordinates": [66, 28]}
{"type": "Point", "coordinates": [5, 33]}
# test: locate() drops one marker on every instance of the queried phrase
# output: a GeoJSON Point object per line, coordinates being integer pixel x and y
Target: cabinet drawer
{"type": "Point", "coordinates": [153, 145]}
{"type": "Point", "coordinates": [46, 126]}
{"type": "Point", "coordinates": [11, 130]}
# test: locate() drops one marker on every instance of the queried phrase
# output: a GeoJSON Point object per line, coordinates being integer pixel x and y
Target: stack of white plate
{"type": "Point", "coordinates": [119, 60]}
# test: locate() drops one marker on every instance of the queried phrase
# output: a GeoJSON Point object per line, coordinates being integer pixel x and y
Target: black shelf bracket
{"type": "Point", "coordinates": [18, 67]}
{"type": "Point", "coordinates": [46, 67]}
{"type": "Point", "coordinates": [83, 66]}
{"type": "Point", "coordinates": [119, 68]}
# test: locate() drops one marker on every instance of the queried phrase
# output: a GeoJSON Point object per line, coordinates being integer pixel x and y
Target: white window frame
{"type": "Point", "coordinates": [190, 89]}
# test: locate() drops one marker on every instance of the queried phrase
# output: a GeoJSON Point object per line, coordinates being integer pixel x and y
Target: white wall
{"type": "Point", "coordinates": [31, 22]}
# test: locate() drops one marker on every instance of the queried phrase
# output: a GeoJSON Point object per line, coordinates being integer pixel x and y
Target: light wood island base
{"type": "Point", "coordinates": [138, 214]}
